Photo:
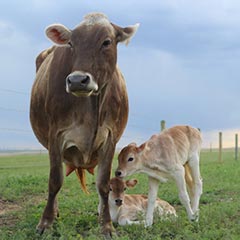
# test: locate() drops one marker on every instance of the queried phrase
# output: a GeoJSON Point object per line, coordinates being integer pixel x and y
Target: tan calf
{"type": "Point", "coordinates": [128, 209]}
{"type": "Point", "coordinates": [174, 153]}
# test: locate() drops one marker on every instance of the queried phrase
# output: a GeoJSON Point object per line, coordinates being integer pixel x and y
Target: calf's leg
{"type": "Point", "coordinates": [197, 182]}
{"type": "Point", "coordinates": [152, 196]}
{"type": "Point", "coordinates": [179, 176]}
{"type": "Point", "coordinates": [54, 185]}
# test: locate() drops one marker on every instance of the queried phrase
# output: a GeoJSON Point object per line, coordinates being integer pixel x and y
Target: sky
{"type": "Point", "coordinates": [182, 66]}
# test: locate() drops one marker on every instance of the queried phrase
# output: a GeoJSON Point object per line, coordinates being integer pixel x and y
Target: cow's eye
{"type": "Point", "coordinates": [125, 189]}
{"type": "Point", "coordinates": [130, 159]}
{"type": "Point", "coordinates": [110, 189]}
{"type": "Point", "coordinates": [107, 43]}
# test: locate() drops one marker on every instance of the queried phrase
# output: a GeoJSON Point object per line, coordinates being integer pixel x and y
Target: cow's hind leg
{"type": "Point", "coordinates": [104, 172]}
{"type": "Point", "coordinates": [54, 185]}
{"type": "Point", "coordinates": [179, 176]}
{"type": "Point", "coordinates": [197, 182]}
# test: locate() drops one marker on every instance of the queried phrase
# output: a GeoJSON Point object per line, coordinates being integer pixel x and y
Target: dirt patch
{"type": "Point", "coordinates": [6, 207]}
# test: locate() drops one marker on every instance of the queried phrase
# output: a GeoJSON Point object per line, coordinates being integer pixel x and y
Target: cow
{"type": "Point", "coordinates": [172, 154]}
{"type": "Point", "coordinates": [128, 209]}
{"type": "Point", "coordinates": [79, 106]}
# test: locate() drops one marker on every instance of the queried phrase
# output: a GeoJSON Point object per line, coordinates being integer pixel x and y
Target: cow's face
{"type": "Point", "coordinates": [93, 46]}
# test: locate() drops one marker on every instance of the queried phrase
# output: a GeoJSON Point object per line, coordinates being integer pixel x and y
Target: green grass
{"type": "Point", "coordinates": [23, 191]}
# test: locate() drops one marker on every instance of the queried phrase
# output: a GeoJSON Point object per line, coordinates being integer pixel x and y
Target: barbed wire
{"type": "Point", "coordinates": [13, 91]}
{"type": "Point", "coordinates": [17, 130]}
{"type": "Point", "coordinates": [13, 109]}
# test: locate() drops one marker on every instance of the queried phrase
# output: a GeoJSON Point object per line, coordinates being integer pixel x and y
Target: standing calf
{"type": "Point", "coordinates": [126, 209]}
{"type": "Point", "coordinates": [174, 153]}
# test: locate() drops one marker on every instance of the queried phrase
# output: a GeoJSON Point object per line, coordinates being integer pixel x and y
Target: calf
{"type": "Point", "coordinates": [174, 153]}
{"type": "Point", "coordinates": [126, 209]}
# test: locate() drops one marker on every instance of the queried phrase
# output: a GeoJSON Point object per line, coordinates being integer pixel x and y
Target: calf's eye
{"type": "Point", "coordinates": [130, 159]}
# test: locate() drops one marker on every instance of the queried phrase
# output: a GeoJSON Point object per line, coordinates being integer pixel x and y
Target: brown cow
{"type": "Point", "coordinates": [79, 106]}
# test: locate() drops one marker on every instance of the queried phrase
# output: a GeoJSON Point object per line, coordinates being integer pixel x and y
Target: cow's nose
{"type": "Point", "coordinates": [118, 202]}
{"type": "Point", "coordinates": [77, 81]}
{"type": "Point", "coordinates": [118, 173]}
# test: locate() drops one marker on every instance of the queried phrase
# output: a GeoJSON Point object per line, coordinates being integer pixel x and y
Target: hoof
{"type": "Point", "coordinates": [40, 230]}
{"type": "Point", "coordinates": [195, 217]}
{"type": "Point", "coordinates": [108, 231]}
{"type": "Point", "coordinates": [43, 225]}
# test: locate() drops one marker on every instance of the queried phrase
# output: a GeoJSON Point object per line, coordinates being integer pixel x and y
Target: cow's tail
{"type": "Point", "coordinates": [81, 174]}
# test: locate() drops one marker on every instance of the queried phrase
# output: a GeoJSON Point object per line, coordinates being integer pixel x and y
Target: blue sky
{"type": "Point", "coordinates": [182, 65]}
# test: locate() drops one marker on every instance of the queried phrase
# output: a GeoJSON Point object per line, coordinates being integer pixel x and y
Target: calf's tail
{"type": "Point", "coordinates": [188, 178]}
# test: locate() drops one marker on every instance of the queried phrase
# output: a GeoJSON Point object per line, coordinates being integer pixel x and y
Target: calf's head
{"type": "Point", "coordinates": [129, 160]}
{"type": "Point", "coordinates": [91, 53]}
{"type": "Point", "coordinates": [117, 188]}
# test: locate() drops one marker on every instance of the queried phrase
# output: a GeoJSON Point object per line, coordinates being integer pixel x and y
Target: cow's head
{"type": "Point", "coordinates": [93, 46]}
{"type": "Point", "coordinates": [117, 188]}
{"type": "Point", "coordinates": [129, 160]}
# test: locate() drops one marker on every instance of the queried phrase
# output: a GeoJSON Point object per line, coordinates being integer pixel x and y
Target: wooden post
{"type": "Point", "coordinates": [236, 146]}
{"type": "Point", "coordinates": [220, 147]}
{"type": "Point", "coordinates": [163, 125]}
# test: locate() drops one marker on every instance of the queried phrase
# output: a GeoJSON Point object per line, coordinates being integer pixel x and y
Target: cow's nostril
{"type": "Point", "coordinates": [69, 81]}
{"type": "Point", "coordinates": [85, 80]}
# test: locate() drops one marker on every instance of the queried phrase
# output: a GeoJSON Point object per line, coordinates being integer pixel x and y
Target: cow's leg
{"type": "Point", "coordinates": [54, 185]}
{"type": "Point", "coordinates": [152, 196]}
{"type": "Point", "coordinates": [197, 182]}
{"type": "Point", "coordinates": [103, 177]}
{"type": "Point", "coordinates": [179, 176]}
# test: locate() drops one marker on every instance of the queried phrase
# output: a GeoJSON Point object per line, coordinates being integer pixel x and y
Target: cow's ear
{"type": "Point", "coordinates": [124, 35]}
{"type": "Point", "coordinates": [58, 33]}
{"type": "Point", "coordinates": [131, 183]}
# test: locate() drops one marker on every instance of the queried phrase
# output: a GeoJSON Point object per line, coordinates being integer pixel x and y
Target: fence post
{"type": "Point", "coordinates": [220, 147]}
{"type": "Point", "coordinates": [236, 146]}
{"type": "Point", "coordinates": [163, 125]}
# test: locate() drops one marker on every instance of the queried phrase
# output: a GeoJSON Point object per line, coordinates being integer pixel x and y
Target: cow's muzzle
{"type": "Point", "coordinates": [80, 84]}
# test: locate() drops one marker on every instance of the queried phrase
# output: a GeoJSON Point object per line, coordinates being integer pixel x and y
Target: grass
{"type": "Point", "coordinates": [23, 191]}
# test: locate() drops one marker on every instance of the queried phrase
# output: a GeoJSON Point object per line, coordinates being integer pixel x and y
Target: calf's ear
{"type": "Point", "coordinates": [131, 182]}
{"type": "Point", "coordinates": [125, 34]}
{"type": "Point", "coordinates": [58, 33]}
{"type": "Point", "coordinates": [141, 148]}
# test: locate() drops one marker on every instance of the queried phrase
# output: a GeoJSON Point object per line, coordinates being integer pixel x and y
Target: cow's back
{"type": "Point", "coordinates": [38, 115]}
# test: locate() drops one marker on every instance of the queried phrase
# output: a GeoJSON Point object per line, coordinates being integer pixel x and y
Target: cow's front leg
{"type": "Point", "coordinates": [104, 173]}
{"type": "Point", "coordinates": [54, 185]}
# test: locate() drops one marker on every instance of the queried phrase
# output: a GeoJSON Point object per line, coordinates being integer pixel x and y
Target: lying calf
{"type": "Point", "coordinates": [127, 209]}
{"type": "Point", "coordinates": [174, 153]}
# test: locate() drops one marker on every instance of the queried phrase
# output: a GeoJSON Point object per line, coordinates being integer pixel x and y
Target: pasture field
{"type": "Point", "coordinates": [23, 191]}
